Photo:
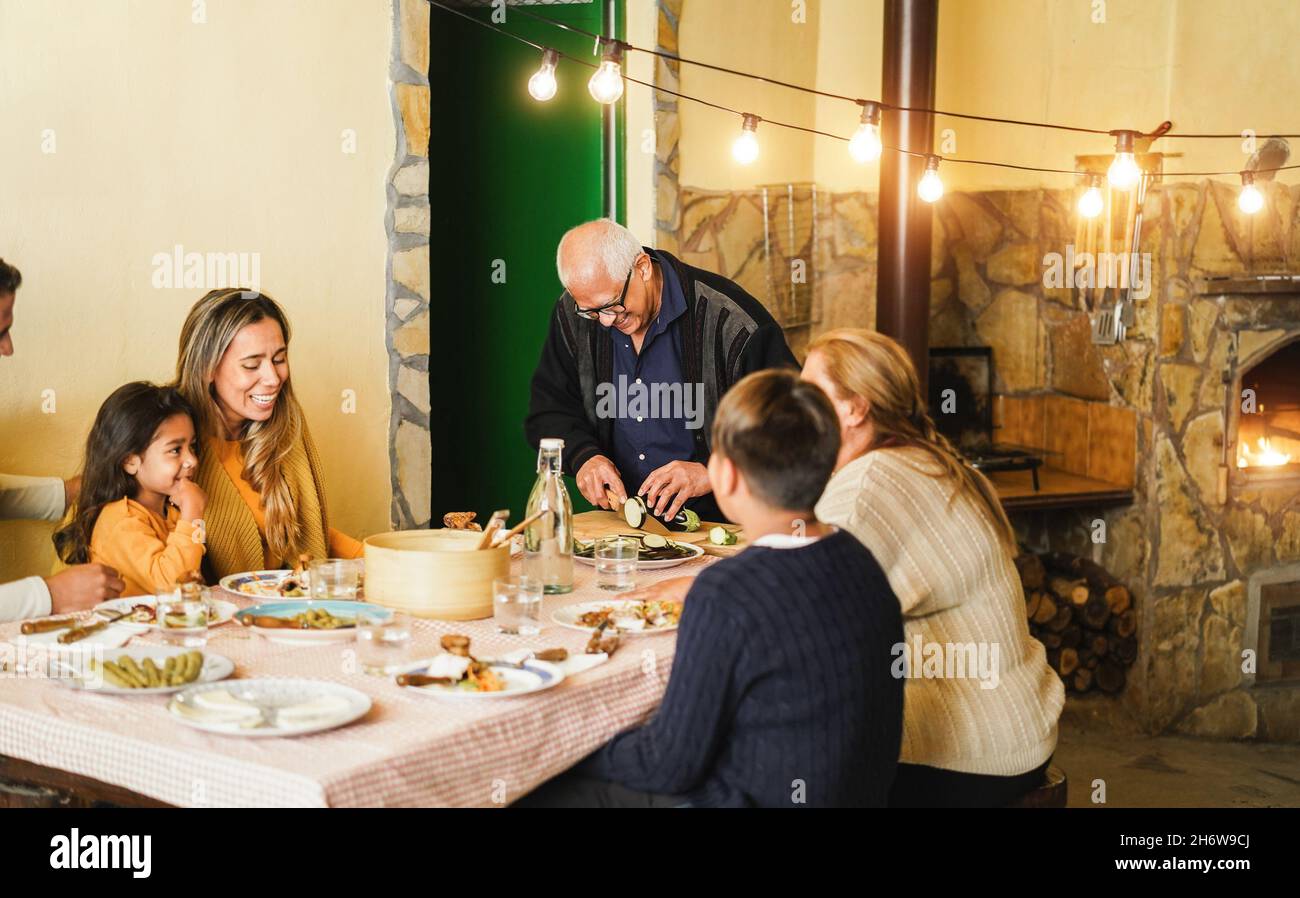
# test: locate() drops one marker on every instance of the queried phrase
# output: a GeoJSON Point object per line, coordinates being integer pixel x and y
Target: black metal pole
{"type": "Point", "coordinates": [903, 277]}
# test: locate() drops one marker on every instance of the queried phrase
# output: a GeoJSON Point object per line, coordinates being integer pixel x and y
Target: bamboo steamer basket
{"type": "Point", "coordinates": [434, 573]}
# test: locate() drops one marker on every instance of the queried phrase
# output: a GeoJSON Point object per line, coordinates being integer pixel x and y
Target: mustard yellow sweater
{"type": "Point", "coordinates": [234, 538]}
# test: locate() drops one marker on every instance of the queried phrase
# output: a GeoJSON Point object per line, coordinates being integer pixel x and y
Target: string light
{"type": "Point", "coordinates": [745, 149]}
{"type": "Point", "coordinates": [1250, 200]}
{"type": "Point", "coordinates": [931, 186]}
{"type": "Point", "coordinates": [606, 85]}
{"type": "Point", "coordinates": [1124, 172]}
{"type": "Point", "coordinates": [865, 145]}
{"type": "Point", "coordinates": [542, 85]}
{"type": "Point", "coordinates": [1091, 202]}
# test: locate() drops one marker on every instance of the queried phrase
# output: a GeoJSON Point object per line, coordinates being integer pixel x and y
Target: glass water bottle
{"type": "Point", "coordinates": [548, 541]}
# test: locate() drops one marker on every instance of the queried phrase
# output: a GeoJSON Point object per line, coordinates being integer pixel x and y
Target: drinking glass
{"type": "Point", "coordinates": [182, 618]}
{"type": "Point", "coordinates": [616, 563]}
{"type": "Point", "coordinates": [517, 605]}
{"type": "Point", "coordinates": [334, 578]}
{"type": "Point", "coordinates": [383, 641]}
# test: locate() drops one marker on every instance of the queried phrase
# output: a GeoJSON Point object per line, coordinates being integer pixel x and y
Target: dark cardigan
{"type": "Point", "coordinates": [725, 334]}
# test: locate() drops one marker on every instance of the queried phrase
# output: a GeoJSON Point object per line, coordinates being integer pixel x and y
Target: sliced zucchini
{"type": "Point", "coordinates": [721, 536]}
{"type": "Point", "coordinates": [634, 511]}
{"type": "Point", "coordinates": [654, 541]}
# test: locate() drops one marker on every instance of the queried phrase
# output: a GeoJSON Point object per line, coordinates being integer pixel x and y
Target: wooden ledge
{"type": "Point", "coordinates": [1281, 284]}
{"type": "Point", "coordinates": [1057, 489]}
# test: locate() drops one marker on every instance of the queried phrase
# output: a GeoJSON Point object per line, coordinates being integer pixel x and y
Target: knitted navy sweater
{"type": "Point", "coordinates": [781, 692]}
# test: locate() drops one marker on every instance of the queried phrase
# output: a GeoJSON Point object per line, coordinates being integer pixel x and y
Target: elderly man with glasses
{"type": "Point", "coordinates": [634, 328]}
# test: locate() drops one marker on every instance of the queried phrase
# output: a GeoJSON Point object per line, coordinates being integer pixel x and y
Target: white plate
{"type": "Point", "coordinates": [568, 617]}
{"type": "Point", "coordinates": [340, 705]}
{"type": "Point", "coordinates": [654, 565]}
{"type": "Point", "coordinates": [533, 677]}
{"type": "Point", "coordinates": [73, 672]}
{"type": "Point", "coordinates": [262, 585]}
{"type": "Point", "coordinates": [225, 610]}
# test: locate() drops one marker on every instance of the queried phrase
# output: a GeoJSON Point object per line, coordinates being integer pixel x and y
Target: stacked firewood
{"type": "Point", "coordinates": [1083, 616]}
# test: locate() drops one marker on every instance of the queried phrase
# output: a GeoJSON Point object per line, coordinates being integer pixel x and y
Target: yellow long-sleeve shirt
{"type": "Point", "coordinates": [150, 553]}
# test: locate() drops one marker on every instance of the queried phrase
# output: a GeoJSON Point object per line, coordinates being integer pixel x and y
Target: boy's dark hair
{"type": "Point", "coordinates": [125, 426]}
{"type": "Point", "coordinates": [10, 278]}
{"type": "Point", "coordinates": [782, 434]}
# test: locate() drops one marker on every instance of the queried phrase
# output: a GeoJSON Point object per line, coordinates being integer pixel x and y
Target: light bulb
{"type": "Point", "coordinates": [931, 186]}
{"type": "Point", "coordinates": [606, 85]}
{"type": "Point", "coordinates": [1091, 202]}
{"type": "Point", "coordinates": [1250, 200]}
{"type": "Point", "coordinates": [865, 145]}
{"type": "Point", "coordinates": [1123, 173]}
{"type": "Point", "coordinates": [542, 85]}
{"type": "Point", "coordinates": [745, 149]}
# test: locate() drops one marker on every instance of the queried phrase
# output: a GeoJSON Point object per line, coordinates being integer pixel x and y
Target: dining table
{"type": "Point", "coordinates": [411, 749]}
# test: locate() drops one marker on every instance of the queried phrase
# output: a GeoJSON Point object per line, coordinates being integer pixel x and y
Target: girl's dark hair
{"type": "Point", "coordinates": [125, 426]}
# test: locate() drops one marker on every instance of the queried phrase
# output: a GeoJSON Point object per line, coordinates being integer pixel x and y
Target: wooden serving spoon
{"type": "Point", "coordinates": [495, 523]}
{"type": "Point", "coordinates": [519, 528]}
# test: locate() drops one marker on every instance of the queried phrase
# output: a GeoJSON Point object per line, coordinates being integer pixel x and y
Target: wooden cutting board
{"type": "Point", "coordinates": [594, 524]}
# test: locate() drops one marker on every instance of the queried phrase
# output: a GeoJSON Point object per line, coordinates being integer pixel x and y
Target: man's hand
{"type": "Point", "coordinates": [71, 489]}
{"type": "Point", "coordinates": [595, 474]}
{"type": "Point", "coordinates": [667, 489]}
{"type": "Point", "coordinates": [83, 586]}
{"type": "Point", "coordinates": [190, 499]}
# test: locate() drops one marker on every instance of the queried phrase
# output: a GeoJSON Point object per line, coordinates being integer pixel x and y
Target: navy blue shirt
{"type": "Point", "coordinates": [653, 405]}
{"type": "Point", "coordinates": [782, 690]}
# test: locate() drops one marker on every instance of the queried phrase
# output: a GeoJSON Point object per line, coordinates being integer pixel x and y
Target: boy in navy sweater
{"type": "Point", "coordinates": [781, 693]}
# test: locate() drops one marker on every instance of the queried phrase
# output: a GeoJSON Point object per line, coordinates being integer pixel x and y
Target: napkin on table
{"type": "Point", "coordinates": [111, 637]}
{"type": "Point", "coordinates": [574, 664]}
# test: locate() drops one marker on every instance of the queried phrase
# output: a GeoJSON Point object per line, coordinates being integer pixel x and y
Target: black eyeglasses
{"type": "Point", "coordinates": [612, 308]}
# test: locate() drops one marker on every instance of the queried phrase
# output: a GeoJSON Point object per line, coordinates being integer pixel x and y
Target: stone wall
{"type": "Point", "coordinates": [408, 289]}
{"type": "Point", "coordinates": [1190, 554]}
{"type": "Point", "coordinates": [1187, 556]}
{"type": "Point", "coordinates": [668, 129]}
{"type": "Point", "coordinates": [834, 235]}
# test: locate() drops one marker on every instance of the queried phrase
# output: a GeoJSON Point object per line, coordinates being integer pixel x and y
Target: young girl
{"type": "Point", "coordinates": [138, 503]}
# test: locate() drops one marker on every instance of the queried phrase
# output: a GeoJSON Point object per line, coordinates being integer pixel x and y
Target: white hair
{"type": "Point", "coordinates": [613, 245]}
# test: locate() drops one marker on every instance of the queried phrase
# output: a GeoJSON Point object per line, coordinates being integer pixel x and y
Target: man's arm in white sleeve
{"type": "Point", "coordinates": [31, 498]}
{"type": "Point", "coordinates": [23, 599]}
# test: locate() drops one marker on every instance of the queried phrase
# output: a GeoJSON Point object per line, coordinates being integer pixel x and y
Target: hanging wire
{"type": "Point", "coordinates": [793, 127]}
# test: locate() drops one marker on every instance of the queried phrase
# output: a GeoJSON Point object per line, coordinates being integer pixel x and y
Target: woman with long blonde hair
{"type": "Point", "coordinates": [257, 461]}
{"type": "Point", "coordinates": [982, 704]}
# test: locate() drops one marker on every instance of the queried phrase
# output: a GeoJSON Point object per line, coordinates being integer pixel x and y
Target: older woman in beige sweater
{"type": "Point", "coordinates": [982, 704]}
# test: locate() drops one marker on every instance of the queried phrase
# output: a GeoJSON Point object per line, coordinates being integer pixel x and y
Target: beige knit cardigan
{"type": "Point", "coordinates": [957, 585]}
{"type": "Point", "coordinates": [234, 544]}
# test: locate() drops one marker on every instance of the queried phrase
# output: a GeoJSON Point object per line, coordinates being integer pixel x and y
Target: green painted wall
{"type": "Point", "coordinates": [508, 176]}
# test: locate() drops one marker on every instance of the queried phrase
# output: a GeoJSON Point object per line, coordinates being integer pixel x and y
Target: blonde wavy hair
{"type": "Point", "coordinates": [876, 369]}
{"type": "Point", "coordinates": [208, 331]}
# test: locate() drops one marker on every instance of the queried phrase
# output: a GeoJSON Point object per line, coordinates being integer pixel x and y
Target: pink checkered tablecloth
{"type": "Point", "coordinates": [409, 750]}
